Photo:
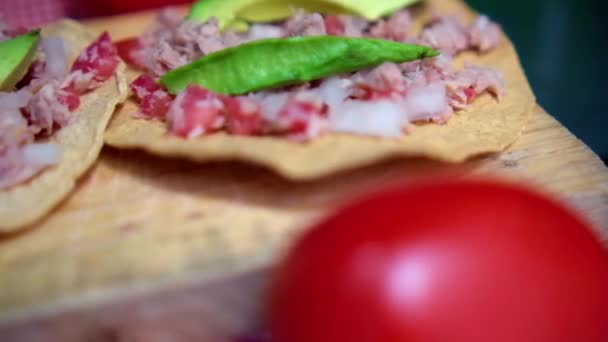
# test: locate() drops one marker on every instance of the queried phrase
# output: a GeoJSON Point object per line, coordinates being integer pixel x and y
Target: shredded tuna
{"type": "Point", "coordinates": [485, 35]}
{"type": "Point", "coordinates": [465, 85]}
{"type": "Point", "coordinates": [384, 81]}
{"type": "Point", "coordinates": [14, 131]}
{"type": "Point", "coordinates": [353, 26]}
{"type": "Point", "coordinates": [423, 72]}
{"type": "Point", "coordinates": [163, 57]}
{"type": "Point", "coordinates": [394, 28]}
{"type": "Point", "coordinates": [206, 36]}
{"type": "Point", "coordinates": [46, 112]}
{"type": "Point", "coordinates": [51, 63]}
{"type": "Point", "coordinates": [20, 158]}
{"type": "Point", "coordinates": [305, 24]}
{"type": "Point", "coordinates": [447, 34]}
{"type": "Point", "coordinates": [167, 19]}
{"type": "Point", "coordinates": [170, 44]}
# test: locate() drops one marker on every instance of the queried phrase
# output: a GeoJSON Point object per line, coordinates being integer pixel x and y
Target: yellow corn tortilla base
{"type": "Point", "coordinates": [487, 126]}
{"type": "Point", "coordinates": [80, 142]}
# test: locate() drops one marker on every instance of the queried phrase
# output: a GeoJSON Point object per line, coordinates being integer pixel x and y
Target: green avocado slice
{"type": "Point", "coordinates": [16, 56]}
{"type": "Point", "coordinates": [272, 10]}
{"type": "Point", "coordinates": [270, 63]}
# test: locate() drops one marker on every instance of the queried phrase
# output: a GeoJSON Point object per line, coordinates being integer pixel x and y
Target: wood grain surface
{"type": "Point", "coordinates": [143, 239]}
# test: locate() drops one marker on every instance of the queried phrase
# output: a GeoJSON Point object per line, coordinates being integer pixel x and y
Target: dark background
{"type": "Point", "coordinates": [563, 46]}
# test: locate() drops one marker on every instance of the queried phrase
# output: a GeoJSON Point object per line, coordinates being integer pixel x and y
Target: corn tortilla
{"type": "Point", "coordinates": [487, 126]}
{"type": "Point", "coordinates": [80, 142]}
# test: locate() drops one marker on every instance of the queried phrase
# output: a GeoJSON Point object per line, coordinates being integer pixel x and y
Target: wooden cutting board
{"type": "Point", "coordinates": [155, 254]}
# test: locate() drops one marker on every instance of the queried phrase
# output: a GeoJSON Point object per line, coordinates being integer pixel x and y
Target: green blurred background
{"type": "Point", "coordinates": [562, 45]}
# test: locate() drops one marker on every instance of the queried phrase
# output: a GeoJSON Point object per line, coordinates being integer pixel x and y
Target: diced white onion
{"type": "Point", "coordinates": [271, 104]}
{"type": "Point", "coordinates": [264, 31]}
{"type": "Point", "coordinates": [424, 103]}
{"type": "Point", "coordinates": [334, 91]}
{"type": "Point", "coordinates": [382, 118]}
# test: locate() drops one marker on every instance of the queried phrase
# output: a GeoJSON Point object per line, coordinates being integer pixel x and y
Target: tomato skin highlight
{"type": "Point", "coordinates": [452, 261]}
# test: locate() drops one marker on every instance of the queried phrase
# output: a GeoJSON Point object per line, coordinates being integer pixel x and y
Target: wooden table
{"type": "Point", "coordinates": [129, 277]}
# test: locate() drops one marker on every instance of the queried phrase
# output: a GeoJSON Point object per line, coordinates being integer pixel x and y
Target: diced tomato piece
{"type": "Point", "coordinates": [243, 115]}
{"type": "Point", "coordinates": [144, 85]}
{"type": "Point", "coordinates": [69, 98]}
{"type": "Point", "coordinates": [156, 105]}
{"type": "Point", "coordinates": [470, 94]}
{"type": "Point", "coordinates": [154, 100]}
{"type": "Point", "coordinates": [194, 112]}
{"type": "Point", "coordinates": [300, 117]}
{"type": "Point", "coordinates": [99, 58]}
{"type": "Point", "coordinates": [128, 49]}
{"type": "Point", "coordinates": [334, 25]}
{"type": "Point", "coordinates": [368, 93]}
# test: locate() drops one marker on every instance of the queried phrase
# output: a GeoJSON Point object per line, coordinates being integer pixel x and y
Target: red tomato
{"type": "Point", "coordinates": [127, 50]}
{"type": "Point", "coordinates": [99, 58]}
{"type": "Point", "coordinates": [69, 98]}
{"type": "Point", "coordinates": [154, 100]}
{"type": "Point", "coordinates": [243, 115]}
{"type": "Point", "coordinates": [197, 112]}
{"type": "Point", "coordinates": [334, 25]}
{"type": "Point", "coordinates": [456, 261]}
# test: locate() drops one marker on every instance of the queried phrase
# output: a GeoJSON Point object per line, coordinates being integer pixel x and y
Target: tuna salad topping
{"type": "Point", "coordinates": [381, 101]}
{"type": "Point", "coordinates": [45, 101]}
